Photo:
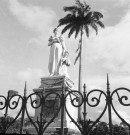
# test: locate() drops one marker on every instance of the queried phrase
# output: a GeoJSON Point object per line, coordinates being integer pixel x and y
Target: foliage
{"type": "Point", "coordinates": [79, 18]}
{"type": "Point", "coordinates": [118, 130]}
{"type": "Point", "coordinates": [14, 128]}
{"type": "Point", "coordinates": [27, 122]}
{"type": "Point", "coordinates": [102, 129]}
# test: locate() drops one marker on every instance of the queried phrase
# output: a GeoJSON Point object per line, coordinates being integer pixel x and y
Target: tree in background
{"type": "Point", "coordinates": [79, 19]}
{"type": "Point", "coordinates": [13, 128]}
{"type": "Point", "coordinates": [102, 128]}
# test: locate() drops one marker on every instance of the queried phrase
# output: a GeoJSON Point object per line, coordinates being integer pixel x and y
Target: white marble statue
{"type": "Point", "coordinates": [58, 58]}
{"type": "Point", "coordinates": [64, 63]}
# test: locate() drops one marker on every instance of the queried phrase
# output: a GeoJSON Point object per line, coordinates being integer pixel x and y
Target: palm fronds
{"type": "Point", "coordinates": [80, 16]}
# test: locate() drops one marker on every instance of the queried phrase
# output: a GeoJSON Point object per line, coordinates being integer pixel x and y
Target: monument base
{"type": "Point", "coordinates": [58, 84]}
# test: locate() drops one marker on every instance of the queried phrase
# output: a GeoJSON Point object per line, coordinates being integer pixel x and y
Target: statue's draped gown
{"type": "Point", "coordinates": [55, 57]}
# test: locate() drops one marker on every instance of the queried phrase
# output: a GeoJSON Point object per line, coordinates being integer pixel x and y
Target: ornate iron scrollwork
{"type": "Point", "coordinates": [52, 103]}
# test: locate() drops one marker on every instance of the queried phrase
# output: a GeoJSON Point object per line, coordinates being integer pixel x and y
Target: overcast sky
{"type": "Point", "coordinates": [26, 25]}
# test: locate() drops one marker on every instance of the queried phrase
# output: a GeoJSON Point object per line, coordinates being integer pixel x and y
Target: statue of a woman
{"type": "Point", "coordinates": [57, 50]}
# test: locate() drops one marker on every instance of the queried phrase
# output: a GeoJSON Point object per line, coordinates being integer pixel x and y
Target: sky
{"type": "Point", "coordinates": [26, 25]}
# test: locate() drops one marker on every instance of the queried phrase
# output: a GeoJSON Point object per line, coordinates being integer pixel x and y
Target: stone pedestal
{"type": "Point", "coordinates": [56, 84]}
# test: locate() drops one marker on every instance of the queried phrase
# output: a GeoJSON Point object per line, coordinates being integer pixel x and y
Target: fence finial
{"type": "Point", "coordinates": [108, 84]}
{"type": "Point", "coordinates": [84, 86]}
{"type": "Point", "coordinates": [25, 89]}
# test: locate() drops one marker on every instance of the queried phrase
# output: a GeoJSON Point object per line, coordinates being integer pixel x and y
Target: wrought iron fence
{"type": "Point", "coordinates": [84, 125]}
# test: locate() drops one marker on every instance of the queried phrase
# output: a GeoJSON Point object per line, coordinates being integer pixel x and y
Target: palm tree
{"type": "Point", "coordinates": [78, 20]}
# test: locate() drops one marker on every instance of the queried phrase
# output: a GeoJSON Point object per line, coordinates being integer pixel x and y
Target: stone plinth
{"type": "Point", "coordinates": [50, 84]}
{"type": "Point", "coordinates": [50, 112]}
{"type": "Point", "coordinates": [56, 84]}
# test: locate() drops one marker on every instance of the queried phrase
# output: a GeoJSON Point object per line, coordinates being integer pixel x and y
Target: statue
{"type": "Point", "coordinates": [64, 62]}
{"type": "Point", "coordinates": [58, 58]}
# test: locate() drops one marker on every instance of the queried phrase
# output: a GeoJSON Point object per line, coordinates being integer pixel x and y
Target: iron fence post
{"type": "Point", "coordinates": [84, 93]}
{"type": "Point", "coordinates": [84, 111]}
{"type": "Point", "coordinates": [7, 105]}
{"type": "Point", "coordinates": [23, 109]}
{"type": "Point", "coordinates": [41, 114]}
{"type": "Point", "coordinates": [6, 114]}
{"type": "Point", "coordinates": [109, 100]}
{"type": "Point", "coordinates": [62, 110]}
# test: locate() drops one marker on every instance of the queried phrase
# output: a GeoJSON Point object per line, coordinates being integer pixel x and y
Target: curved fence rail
{"type": "Point", "coordinates": [85, 126]}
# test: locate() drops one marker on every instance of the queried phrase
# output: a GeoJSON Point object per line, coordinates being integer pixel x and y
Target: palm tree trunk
{"type": "Point", "coordinates": [80, 78]}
